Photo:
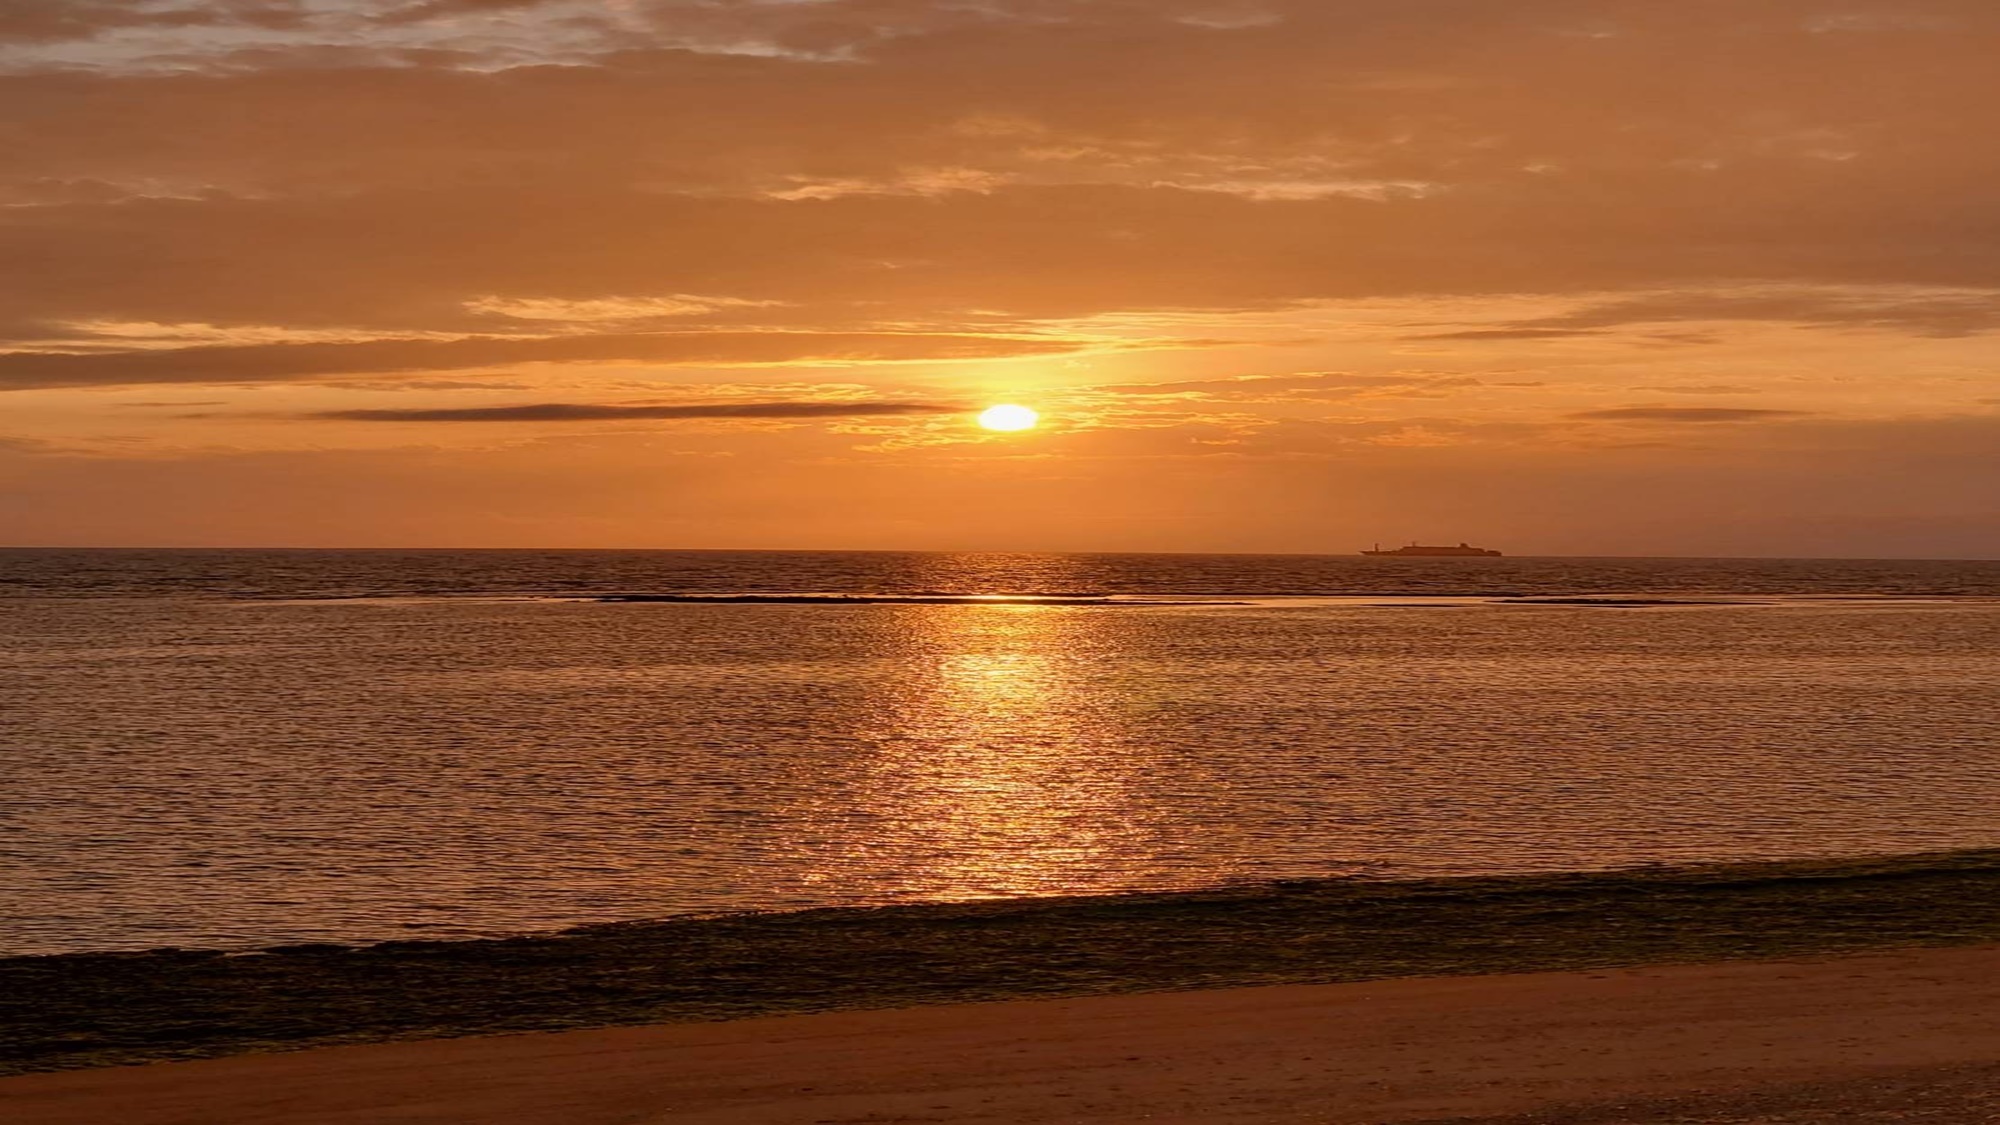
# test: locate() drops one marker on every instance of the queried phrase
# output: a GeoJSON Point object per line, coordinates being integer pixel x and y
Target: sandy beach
{"type": "Point", "coordinates": [1804, 1040]}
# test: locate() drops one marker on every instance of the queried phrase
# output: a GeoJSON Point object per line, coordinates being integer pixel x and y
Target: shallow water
{"type": "Point", "coordinates": [231, 749]}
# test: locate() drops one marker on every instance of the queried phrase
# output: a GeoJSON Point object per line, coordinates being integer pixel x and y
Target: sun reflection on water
{"type": "Point", "coordinates": [995, 769]}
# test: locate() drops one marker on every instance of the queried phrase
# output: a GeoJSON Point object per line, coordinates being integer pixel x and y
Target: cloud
{"type": "Point", "coordinates": [585, 412]}
{"type": "Point", "coordinates": [1318, 386]}
{"type": "Point", "coordinates": [1700, 389]}
{"type": "Point", "coordinates": [47, 21]}
{"type": "Point", "coordinates": [1041, 157]}
{"type": "Point", "coordinates": [278, 362]}
{"type": "Point", "coordinates": [607, 308]}
{"type": "Point", "coordinates": [1508, 334]}
{"type": "Point", "coordinates": [1941, 313]}
{"type": "Point", "coordinates": [1686, 414]}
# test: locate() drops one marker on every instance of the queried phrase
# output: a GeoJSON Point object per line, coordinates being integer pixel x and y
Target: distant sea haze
{"type": "Point", "coordinates": [234, 749]}
{"type": "Point", "coordinates": [306, 573]}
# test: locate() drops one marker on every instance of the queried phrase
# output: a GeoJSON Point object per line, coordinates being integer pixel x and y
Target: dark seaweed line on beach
{"type": "Point", "coordinates": [80, 1010]}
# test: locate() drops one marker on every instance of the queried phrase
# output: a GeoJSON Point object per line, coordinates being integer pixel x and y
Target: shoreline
{"type": "Point", "coordinates": [1869, 1039]}
{"type": "Point", "coordinates": [68, 1011]}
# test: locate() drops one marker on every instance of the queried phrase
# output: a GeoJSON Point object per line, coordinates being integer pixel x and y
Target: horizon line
{"type": "Point", "coordinates": [953, 551]}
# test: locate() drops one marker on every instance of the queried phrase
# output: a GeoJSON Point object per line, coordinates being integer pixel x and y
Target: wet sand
{"type": "Point", "coordinates": [1906, 1035]}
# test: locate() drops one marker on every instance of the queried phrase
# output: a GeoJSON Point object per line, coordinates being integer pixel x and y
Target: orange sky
{"type": "Point", "coordinates": [1566, 277]}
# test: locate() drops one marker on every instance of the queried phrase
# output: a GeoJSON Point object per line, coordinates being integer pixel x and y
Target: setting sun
{"type": "Point", "coordinates": [1008, 418]}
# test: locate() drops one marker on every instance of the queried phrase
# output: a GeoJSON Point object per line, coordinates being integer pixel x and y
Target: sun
{"type": "Point", "coordinates": [1008, 418]}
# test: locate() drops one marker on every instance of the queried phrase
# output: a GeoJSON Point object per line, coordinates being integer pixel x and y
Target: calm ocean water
{"type": "Point", "coordinates": [237, 748]}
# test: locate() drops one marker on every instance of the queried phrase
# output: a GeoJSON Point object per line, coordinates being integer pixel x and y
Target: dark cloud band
{"type": "Point", "coordinates": [587, 412]}
{"type": "Point", "coordinates": [277, 362]}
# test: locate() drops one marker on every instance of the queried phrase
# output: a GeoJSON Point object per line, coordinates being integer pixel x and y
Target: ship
{"type": "Point", "coordinates": [1419, 551]}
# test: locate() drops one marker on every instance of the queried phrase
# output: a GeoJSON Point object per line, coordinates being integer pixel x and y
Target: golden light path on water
{"type": "Point", "coordinates": [995, 770]}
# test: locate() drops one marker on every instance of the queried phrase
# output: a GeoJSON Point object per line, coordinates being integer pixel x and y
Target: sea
{"type": "Point", "coordinates": [238, 749]}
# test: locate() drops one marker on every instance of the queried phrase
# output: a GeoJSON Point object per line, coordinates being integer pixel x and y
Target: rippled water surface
{"type": "Point", "coordinates": [235, 748]}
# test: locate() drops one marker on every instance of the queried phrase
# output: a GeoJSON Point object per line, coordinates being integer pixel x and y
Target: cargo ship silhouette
{"type": "Point", "coordinates": [1415, 550]}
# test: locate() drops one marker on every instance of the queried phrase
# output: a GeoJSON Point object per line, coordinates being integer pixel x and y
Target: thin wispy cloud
{"type": "Point", "coordinates": [1686, 414]}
